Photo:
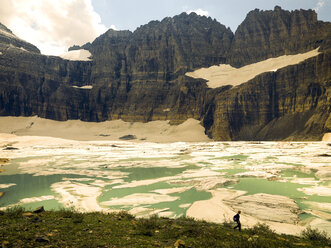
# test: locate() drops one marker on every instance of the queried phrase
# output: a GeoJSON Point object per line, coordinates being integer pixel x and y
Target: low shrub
{"type": "Point", "coordinates": [228, 223]}
{"type": "Point", "coordinates": [66, 213]}
{"type": "Point", "coordinates": [260, 228]}
{"type": "Point", "coordinates": [316, 235]}
{"type": "Point", "coordinates": [148, 226]}
{"type": "Point", "coordinates": [77, 217]}
{"type": "Point", "coordinates": [125, 215]}
{"type": "Point", "coordinates": [15, 212]}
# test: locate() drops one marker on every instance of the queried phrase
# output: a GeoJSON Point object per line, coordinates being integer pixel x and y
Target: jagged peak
{"type": "Point", "coordinates": [73, 48]}
{"type": "Point", "coordinates": [112, 32]}
{"type": "Point", "coordinates": [191, 19]}
{"type": "Point", "coordinates": [109, 34]}
{"type": "Point", "coordinates": [184, 16]}
{"type": "Point", "coordinates": [191, 15]}
{"type": "Point", "coordinates": [4, 31]}
{"type": "Point", "coordinates": [4, 28]}
{"type": "Point", "coordinates": [279, 10]}
{"type": "Point", "coordinates": [277, 13]}
{"type": "Point", "coordinates": [8, 37]}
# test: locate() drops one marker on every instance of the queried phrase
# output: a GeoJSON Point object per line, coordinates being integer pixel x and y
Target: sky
{"type": "Point", "coordinates": [55, 25]}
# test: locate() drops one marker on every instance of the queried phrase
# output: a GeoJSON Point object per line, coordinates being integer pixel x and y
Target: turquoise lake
{"type": "Point", "coordinates": [164, 179]}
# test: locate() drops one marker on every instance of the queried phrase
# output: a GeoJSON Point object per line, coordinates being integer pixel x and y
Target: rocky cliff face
{"type": "Point", "coordinates": [265, 34]}
{"type": "Point", "coordinates": [160, 51]}
{"type": "Point", "coordinates": [139, 76]}
{"type": "Point", "coordinates": [33, 84]}
{"type": "Point", "coordinates": [293, 103]}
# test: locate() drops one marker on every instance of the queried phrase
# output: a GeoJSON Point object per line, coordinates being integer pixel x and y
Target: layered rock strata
{"type": "Point", "coordinates": [293, 103]}
{"type": "Point", "coordinates": [267, 34]}
{"type": "Point", "coordinates": [140, 76]}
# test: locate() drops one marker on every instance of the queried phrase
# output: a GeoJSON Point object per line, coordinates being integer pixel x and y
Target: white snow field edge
{"type": "Point", "coordinates": [77, 55]}
{"type": "Point", "coordinates": [224, 74]}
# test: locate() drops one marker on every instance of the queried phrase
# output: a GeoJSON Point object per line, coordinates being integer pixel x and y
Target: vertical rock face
{"type": "Point", "coordinates": [169, 48]}
{"type": "Point", "coordinates": [265, 34]}
{"type": "Point", "coordinates": [32, 84]}
{"type": "Point", "coordinates": [292, 103]}
{"type": "Point", "coordinates": [160, 51]}
{"type": "Point", "coordinates": [108, 52]}
{"type": "Point", "coordinates": [139, 76]}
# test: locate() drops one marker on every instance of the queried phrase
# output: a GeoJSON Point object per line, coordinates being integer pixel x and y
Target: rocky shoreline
{"type": "Point", "coordinates": [3, 162]}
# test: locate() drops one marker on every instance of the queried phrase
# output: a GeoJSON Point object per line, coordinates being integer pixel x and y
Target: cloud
{"type": "Point", "coordinates": [51, 25]}
{"type": "Point", "coordinates": [319, 5]}
{"type": "Point", "coordinates": [199, 12]}
{"type": "Point", "coordinates": [113, 27]}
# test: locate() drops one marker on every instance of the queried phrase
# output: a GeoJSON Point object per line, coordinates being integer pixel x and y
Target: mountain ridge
{"type": "Point", "coordinates": [8, 38]}
{"type": "Point", "coordinates": [140, 76]}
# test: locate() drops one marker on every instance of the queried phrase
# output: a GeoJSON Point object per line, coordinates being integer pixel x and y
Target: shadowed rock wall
{"type": "Point", "coordinates": [266, 34]}
{"type": "Point", "coordinates": [293, 103]}
{"type": "Point", "coordinates": [139, 76]}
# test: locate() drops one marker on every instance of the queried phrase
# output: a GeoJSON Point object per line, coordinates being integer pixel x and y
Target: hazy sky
{"type": "Point", "coordinates": [54, 25]}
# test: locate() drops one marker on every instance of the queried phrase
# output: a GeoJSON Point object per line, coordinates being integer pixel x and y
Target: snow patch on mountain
{"type": "Point", "coordinates": [77, 55]}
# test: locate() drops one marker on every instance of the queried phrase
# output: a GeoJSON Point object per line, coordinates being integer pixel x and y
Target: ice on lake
{"type": "Point", "coordinates": [283, 184]}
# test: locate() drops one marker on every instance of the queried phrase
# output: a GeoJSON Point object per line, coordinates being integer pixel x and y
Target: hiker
{"type": "Point", "coordinates": [236, 218]}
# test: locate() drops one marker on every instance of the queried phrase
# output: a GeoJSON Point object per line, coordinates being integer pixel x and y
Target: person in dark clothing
{"type": "Point", "coordinates": [236, 219]}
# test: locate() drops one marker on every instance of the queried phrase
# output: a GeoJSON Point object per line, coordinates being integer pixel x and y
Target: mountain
{"type": "Point", "coordinates": [292, 103]}
{"type": "Point", "coordinates": [140, 76]}
{"type": "Point", "coordinates": [7, 38]}
{"type": "Point", "coordinates": [162, 51]}
{"type": "Point", "coordinates": [265, 34]}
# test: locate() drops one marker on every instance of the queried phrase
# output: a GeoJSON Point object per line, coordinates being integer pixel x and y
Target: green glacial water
{"type": "Point", "coordinates": [166, 178]}
{"type": "Point", "coordinates": [255, 186]}
{"type": "Point", "coordinates": [29, 186]}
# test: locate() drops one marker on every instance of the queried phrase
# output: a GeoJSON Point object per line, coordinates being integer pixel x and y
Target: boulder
{"type": "Point", "coordinates": [179, 244]}
{"type": "Point", "coordinates": [39, 210]}
{"type": "Point", "coordinates": [42, 239]}
{"type": "Point", "coordinates": [128, 137]}
{"type": "Point", "coordinates": [4, 160]}
{"type": "Point", "coordinates": [9, 148]}
{"type": "Point", "coordinates": [28, 215]}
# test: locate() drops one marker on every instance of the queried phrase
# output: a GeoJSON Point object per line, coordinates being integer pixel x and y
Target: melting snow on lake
{"type": "Point", "coordinates": [284, 184]}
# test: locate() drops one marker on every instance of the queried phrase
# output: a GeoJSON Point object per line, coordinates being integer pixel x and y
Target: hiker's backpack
{"type": "Point", "coordinates": [235, 218]}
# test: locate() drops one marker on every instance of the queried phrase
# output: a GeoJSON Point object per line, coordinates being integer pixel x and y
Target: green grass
{"type": "Point", "coordinates": [67, 228]}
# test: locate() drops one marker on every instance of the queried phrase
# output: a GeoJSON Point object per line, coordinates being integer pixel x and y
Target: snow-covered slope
{"type": "Point", "coordinates": [220, 75]}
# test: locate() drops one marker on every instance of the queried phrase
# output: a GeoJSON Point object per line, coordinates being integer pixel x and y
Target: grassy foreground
{"type": "Point", "coordinates": [66, 228]}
